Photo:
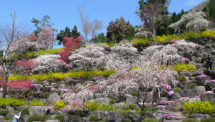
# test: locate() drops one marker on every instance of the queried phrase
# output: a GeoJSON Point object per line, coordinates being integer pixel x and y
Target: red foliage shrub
{"type": "Point", "coordinates": [94, 87]}
{"type": "Point", "coordinates": [26, 65]}
{"type": "Point", "coordinates": [20, 84]}
{"type": "Point", "coordinates": [70, 44]}
{"type": "Point", "coordinates": [32, 37]}
{"type": "Point", "coordinates": [64, 54]}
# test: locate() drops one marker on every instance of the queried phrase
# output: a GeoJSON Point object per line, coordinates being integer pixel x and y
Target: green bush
{"type": "Point", "coordinates": [92, 106]}
{"type": "Point", "coordinates": [181, 67]}
{"type": "Point", "coordinates": [208, 119]}
{"type": "Point", "coordinates": [51, 51]}
{"type": "Point", "coordinates": [25, 111]}
{"type": "Point", "coordinates": [60, 117]}
{"type": "Point", "coordinates": [11, 102]}
{"type": "Point", "coordinates": [177, 89]}
{"type": "Point", "coordinates": [127, 120]}
{"type": "Point", "coordinates": [189, 120]}
{"type": "Point", "coordinates": [150, 120]}
{"type": "Point", "coordinates": [181, 78]}
{"type": "Point", "coordinates": [35, 118]}
{"type": "Point", "coordinates": [192, 85]}
{"type": "Point", "coordinates": [93, 118]}
{"type": "Point", "coordinates": [112, 101]}
{"type": "Point", "coordinates": [198, 107]}
{"type": "Point", "coordinates": [59, 104]}
{"type": "Point", "coordinates": [3, 112]}
{"type": "Point", "coordinates": [61, 76]}
{"type": "Point", "coordinates": [36, 103]}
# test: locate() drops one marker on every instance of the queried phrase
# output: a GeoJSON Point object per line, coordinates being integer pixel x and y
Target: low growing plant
{"type": "Point", "coordinates": [36, 103]}
{"type": "Point", "coordinates": [181, 67]}
{"type": "Point", "coordinates": [150, 120]}
{"type": "Point", "coordinates": [35, 118]}
{"type": "Point", "coordinates": [60, 117]}
{"type": "Point", "coordinates": [11, 102]}
{"type": "Point", "coordinates": [199, 107]}
{"type": "Point", "coordinates": [93, 118]}
{"type": "Point", "coordinates": [189, 120]}
{"type": "Point", "coordinates": [59, 104]}
{"type": "Point", "coordinates": [3, 112]}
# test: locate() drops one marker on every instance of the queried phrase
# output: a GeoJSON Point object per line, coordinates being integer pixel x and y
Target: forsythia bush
{"type": "Point", "coordinates": [186, 36]}
{"type": "Point", "coordinates": [61, 76]}
{"type": "Point", "coordinates": [11, 102]}
{"type": "Point", "coordinates": [36, 103]}
{"type": "Point", "coordinates": [92, 106]}
{"type": "Point", "coordinates": [59, 104]}
{"type": "Point", "coordinates": [51, 51]}
{"type": "Point", "coordinates": [181, 67]}
{"type": "Point", "coordinates": [199, 107]}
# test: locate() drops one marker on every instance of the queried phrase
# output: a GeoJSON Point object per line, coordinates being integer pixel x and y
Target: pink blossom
{"type": "Point", "coordinates": [169, 114]}
{"type": "Point", "coordinates": [170, 93]}
{"type": "Point", "coordinates": [140, 103]}
{"type": "Point", "coordinates": [183, 60]}
{"type": "Point", "coordinates": [89, 81]}
{"type": "Point", "coordinates": [78, 84]}
{"type": "Point", "coordinates": [65, 90]}
{"type": "Point", "coordinates": [52, 89]}
{"type": "Point", "coordinates": [197, 96]}
{"type": "Point", "coordinates": [208, 81]}
{"type": "Point", "coordinates": [166, 86]}
{"type": "Point", "coordinates": [161, 106]}
{"type": "Point", "coordinates": [62, 86]}
{"type": "Point", "coordinates": [184, 98]}
{"type": "Point", "coordinates": [201, 76]}
{"type": "Point", "coordinates": [209, 92]}
{"type": "Point", "coordinates": [128, 95]}
{"type": "Point", "coordinates": [97, 77]}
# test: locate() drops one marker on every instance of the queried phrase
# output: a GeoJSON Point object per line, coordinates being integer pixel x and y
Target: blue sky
{"type": "Point", "coordinates": [65, 12]}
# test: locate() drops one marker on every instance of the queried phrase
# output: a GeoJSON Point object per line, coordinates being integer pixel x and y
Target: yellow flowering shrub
{"type": "Point", "coordinates": [186, 36]}
{"type": "Point", "coordinates": [199, 107]}
{"type": "Point", "coordinates": [60, 76]}
{"type": "Point", "coordinates": [181, 67]}
{"type": "Point", "coordinates": [59, 104]}
{"type": "Point", "coordinates": [11, 102]}
{"type": "Point", "coordinates": [51, 51]}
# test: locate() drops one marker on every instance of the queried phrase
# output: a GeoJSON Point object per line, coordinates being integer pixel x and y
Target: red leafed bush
{"type": "Point", "coordinates": [64, 54]}
{"type": "Point", "coordinates": [26, 65]}
{"type": "Point", "coordinates": [32, 37]}
{"type": "Point", "coordinates": [94, 87]}
{"type": "Point", "coordinates": [20, 84]}
{"type": "Point", "coordinates": [71, 43]}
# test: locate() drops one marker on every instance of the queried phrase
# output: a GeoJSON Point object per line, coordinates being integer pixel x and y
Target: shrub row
{"type": "Point", "coordinates": [186, 36]}
{"type": "Point", "coordinates": [11, 102]}
{"type": "Point", "coordinates": [199, 107]}
{"type": "Point", "coordinates": [60, 76]}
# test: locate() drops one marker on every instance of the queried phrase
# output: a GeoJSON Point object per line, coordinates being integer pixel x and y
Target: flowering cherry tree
{"type": "Point", "coordinates": [25, 65]}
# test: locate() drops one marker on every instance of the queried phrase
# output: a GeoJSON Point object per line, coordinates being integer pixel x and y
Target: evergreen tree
{"type": "Point", "coordinates": [66, 32]}
{"type": "Point", "coordinates": [100, 38]}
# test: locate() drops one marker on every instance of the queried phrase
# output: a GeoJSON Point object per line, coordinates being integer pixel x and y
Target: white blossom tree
{"type": "Point", "coordinates": [193, 21]}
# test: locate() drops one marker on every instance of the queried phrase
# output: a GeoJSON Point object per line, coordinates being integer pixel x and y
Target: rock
{"type": "Point", "coordinates": [108, 115]}
{"type": "Point", "coordinates": [85, 119]}
{"type": "Point", "coordinates": [157, 115]}
{"type": "Point", "coordinates": [37, 110]}
{"type": "Point", "coordinates": [119, 105]}
{"type": "Point", "coordinates": [148, 96]}
{"type": "Point", "coordinates": [174, 118]}
{"type": "Point", "coordinates": [101, 100]}
{"type": "Point", "coordinates": [53, 98]}
{"type": "Point", "coordinates": [174, 106]}
{"type": "Point", "coordinates": [163, 92]}
{"type": "Point", "coordinates": [52, 121]}
{"type": "Point", "coordinates": [200, 80]}
{"type": "Point", "coordinates": [176, 96]}
{"type": "Point", "coordinates": [208, 97]}
{"type": "Point", "coordinates": [213, 52]}
{"type": "Point", "coordinates": [191, 100]}
{"type": "Point", "coordinates": [1, 117]}
{"type": "Point", "coordinates": [186, 73]}
{"type": "Point", "coordinates": [46, 89]}
{"type": "Point", "coordinates": [68, 79]}
{"type": "Point", "coordinates": [197, 90]}
{"type": "Point", "coordinates": [34, 81]}
{"type": "Point", "coordinates": [9, 108]}
{"type": "Point", "coordinates": [135, 117]}
{"type": "Point", "coordinates": [197, 73]}
{"type": "Point", "coordinates": [131, 99]}
{"type": "Point", "coordinates": [185, 92]}
{"type": "Point", "coordinates": [52, 116]}
{"type": "Point", "coordinates": [199, 116]}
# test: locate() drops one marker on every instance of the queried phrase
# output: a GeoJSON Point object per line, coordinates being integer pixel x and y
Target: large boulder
{"type": "Point", "coordinates": [208, 97]}
{"type": "Point", "coordinates": [131, 99]}
{"type": "Point", "coordinates": [53, 98]}
{"type": "Point", "coordinates": [199, 116]}
{"type": "Point", "coordinates": [197, 90]}
{"type": "Point", "coordinates": [101, 100]}
{"type": "Point", "coordinates": [38, 111]}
